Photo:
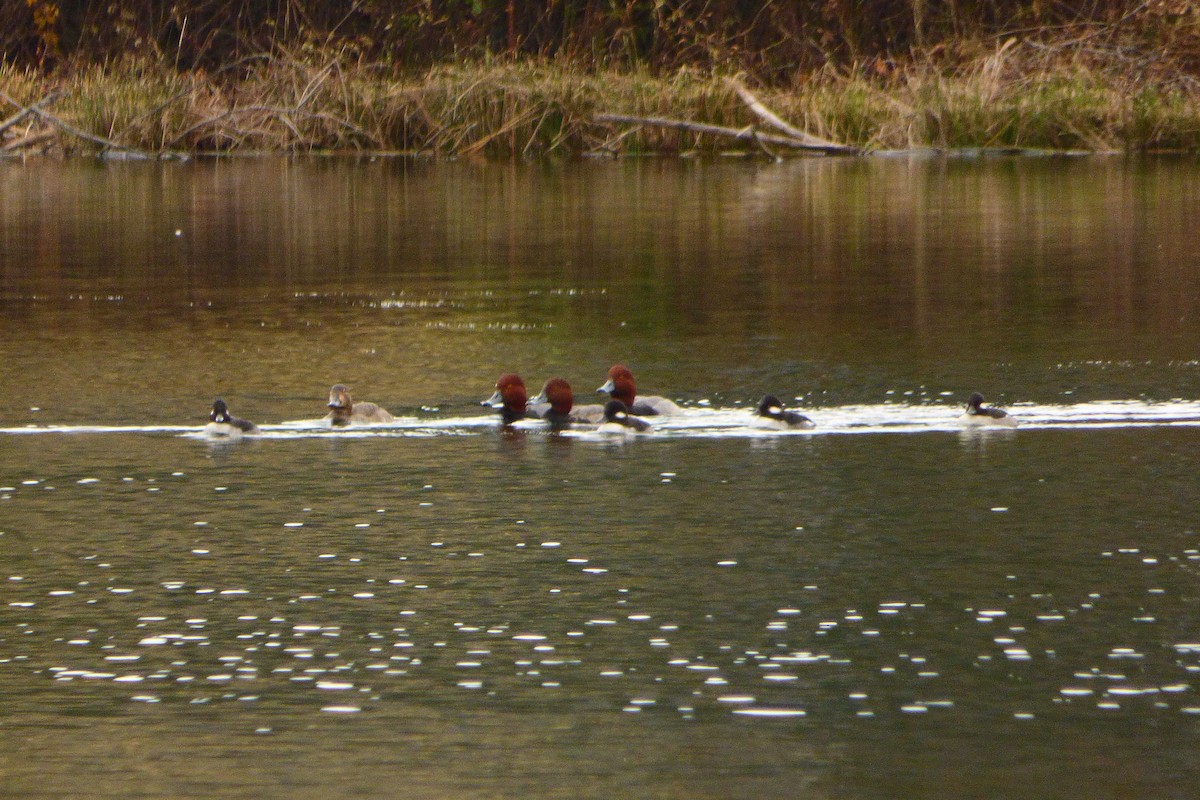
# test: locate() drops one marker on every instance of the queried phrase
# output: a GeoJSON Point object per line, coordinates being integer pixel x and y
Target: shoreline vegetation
{"type": "Point", "coordinates": [569, 78]}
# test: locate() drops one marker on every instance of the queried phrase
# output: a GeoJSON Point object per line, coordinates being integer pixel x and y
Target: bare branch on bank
{"type": "Point", "coordinates": [747, 134]}
{"type": "Point", "coordinates": [772, 119]}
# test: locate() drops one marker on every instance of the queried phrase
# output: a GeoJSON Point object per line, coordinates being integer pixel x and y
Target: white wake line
{"type": "Point", "coordinates": [727, 422]}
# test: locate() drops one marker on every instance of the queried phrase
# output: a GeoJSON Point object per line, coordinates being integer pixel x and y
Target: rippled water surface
{"type": "Point", "coordinates": [888, 605]}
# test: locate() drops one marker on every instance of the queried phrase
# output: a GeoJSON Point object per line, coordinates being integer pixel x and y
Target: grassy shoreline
{"type": "Point", "coordinates": [320, 102]}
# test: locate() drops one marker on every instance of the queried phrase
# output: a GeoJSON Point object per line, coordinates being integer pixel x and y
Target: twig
{"type": "Point", "coordinates": [771, 154]}
{"type": "Point", "coordinates": [742, 134]}
{"type": "Point", "coordinates": [536, 130]}
{"type": "Point", "coordinates": [348, 125]}
{"type": "Point", "coordinates": [25, 111]}
{"type": "Point", "coordinates": [461, 136]}
{"type": "Point", "coordinates": [201, 124]}
{"type": "Point", "coordinates": [609, 145]}
{"type": "Point", "coordinates": [27, 141]}
{"type": "Point", "coordinates": [159, 109]}
{"type": "Point", "coordinates": [35, 110]}
{"type": "Point", "coordinates": [772, 119]}
{"type": "Point", "coordinates": [107, 144]}
{"type": "Point", "coordinates": [283, 115]}
{"type": "Point", "coordinates": [314, 84]}
{"type": "Point", "coordinates": [507, 127]}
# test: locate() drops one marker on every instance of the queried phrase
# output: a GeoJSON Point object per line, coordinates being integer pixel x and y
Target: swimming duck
{"type": "Point", "coordinates": [556, 405]}
{"type": "Point", "coordinates": [771, 414]}
{"type": "Point", "coordinates": [343, 410]}
{"type": "Point", "coordinates": [621, 386]}
{"type": "Point", "coordinates": [978, 414]}
{"type": "Point", "coordinates": [510, 397]}
{"type": "Point", "coordinates": [617, 419]}
{"type": "Point", "coordinates": [222, 423]}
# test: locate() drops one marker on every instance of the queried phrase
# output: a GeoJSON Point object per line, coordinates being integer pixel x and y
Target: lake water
{"type": "Point", "coordinates": [885, 606]}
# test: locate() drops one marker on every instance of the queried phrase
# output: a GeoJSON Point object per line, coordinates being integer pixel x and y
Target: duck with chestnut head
{"type": "Point", "coordinates": [510, 398]}
{"type": "Point", "coordinates": [556, 405]}
{"type": "Point", "coordinates": [621, 386]}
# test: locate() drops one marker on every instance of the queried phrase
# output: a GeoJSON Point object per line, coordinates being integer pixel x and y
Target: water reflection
{"type": "Point", "coordinates": [916, 247]}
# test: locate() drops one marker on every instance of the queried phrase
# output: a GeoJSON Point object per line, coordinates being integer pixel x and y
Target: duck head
{"type": "Point", "coordinates": [616, 411]}
{"type": "Point", "coordinates": [769, 406]}
{"type": "Point", "coordinates": [341, 406]}
{"type": "Point", "coordinates": [557, 392]}
{"type": "Point", "coordinates": [620, 385]}
{"type": "Point", "coordinates": [220, 412]}
{"type": "Point", "coordinates": [510, 397]}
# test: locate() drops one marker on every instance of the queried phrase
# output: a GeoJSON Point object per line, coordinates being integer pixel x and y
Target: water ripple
{"type": "Point", "coordinates": [703, 421]}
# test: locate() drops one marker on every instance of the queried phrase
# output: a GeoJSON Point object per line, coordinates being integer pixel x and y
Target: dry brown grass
{"type": "Point", "coordinates": [1009, 95]}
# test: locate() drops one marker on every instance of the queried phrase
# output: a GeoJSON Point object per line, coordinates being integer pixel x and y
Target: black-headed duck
{"type": "Point", "coordinates": [771, 415]}
{"type": "Point", "coordinates": [617, 419]}
{"type": "Point", "coordinates": [978, 414]}
{"type": "Point", "coordinates": [222, 423]}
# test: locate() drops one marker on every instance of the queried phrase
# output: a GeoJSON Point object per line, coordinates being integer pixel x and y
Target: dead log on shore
{"type": "Point", "coordinates": [25, 111]}
{"type": "Point", "coordinates": [36, 110]}
{"type": "Point", "coordinates": [790, 136]}
{"type": "Point", "coordinates": [748, 134]}
{"type": "Point", "coordinates": [772, 119]}
{"type": "Point", "coordinates": [27, 142]}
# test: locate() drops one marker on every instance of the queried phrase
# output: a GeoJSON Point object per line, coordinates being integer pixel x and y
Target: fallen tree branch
{"type": "Point", "coordinates": [26, 142]}
{"type": "Point", "coordinates": [107, 144]}
{"type": "Point", "coordinates": [609, 145]}
{"type": "Point", "coordinates": [741, 134]}
{"type": "Point", "coordinates": [772, 119]}
{"type": "Point", "coordinates": [284, 115]}
{"type": "Point", "coordinates": [771, 154]}
{"type": "Point", "coordinates": [25, 111]}
{"type": "Point", "coordinates": [45, 116]}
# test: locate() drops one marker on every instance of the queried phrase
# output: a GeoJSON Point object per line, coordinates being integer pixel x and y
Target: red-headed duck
{"type": "Point", "coordinates": [343, 410]}
{"type": "Point", "coordinates": [222, 423]}
{"type": "Point", "coordinates": [510, 397]}
{"type": "Point", "coordinates": [772, 415]}
{"type": "Point", "coordinates": [621, 386]}
{"type": "Point", "coordinates": [978, 414]}
{"type": "Point", "coordinates": [562, 411]}
{"type": "Point", "coordinates": [617, 419]}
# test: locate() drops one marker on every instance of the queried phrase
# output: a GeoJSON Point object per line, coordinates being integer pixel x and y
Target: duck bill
{"type": "Point", "coordinates": [607, 388]}
{"type": "Point", "coordinates": [539, 400]}
{"type": "Point", "coordinates": [495, 401]}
